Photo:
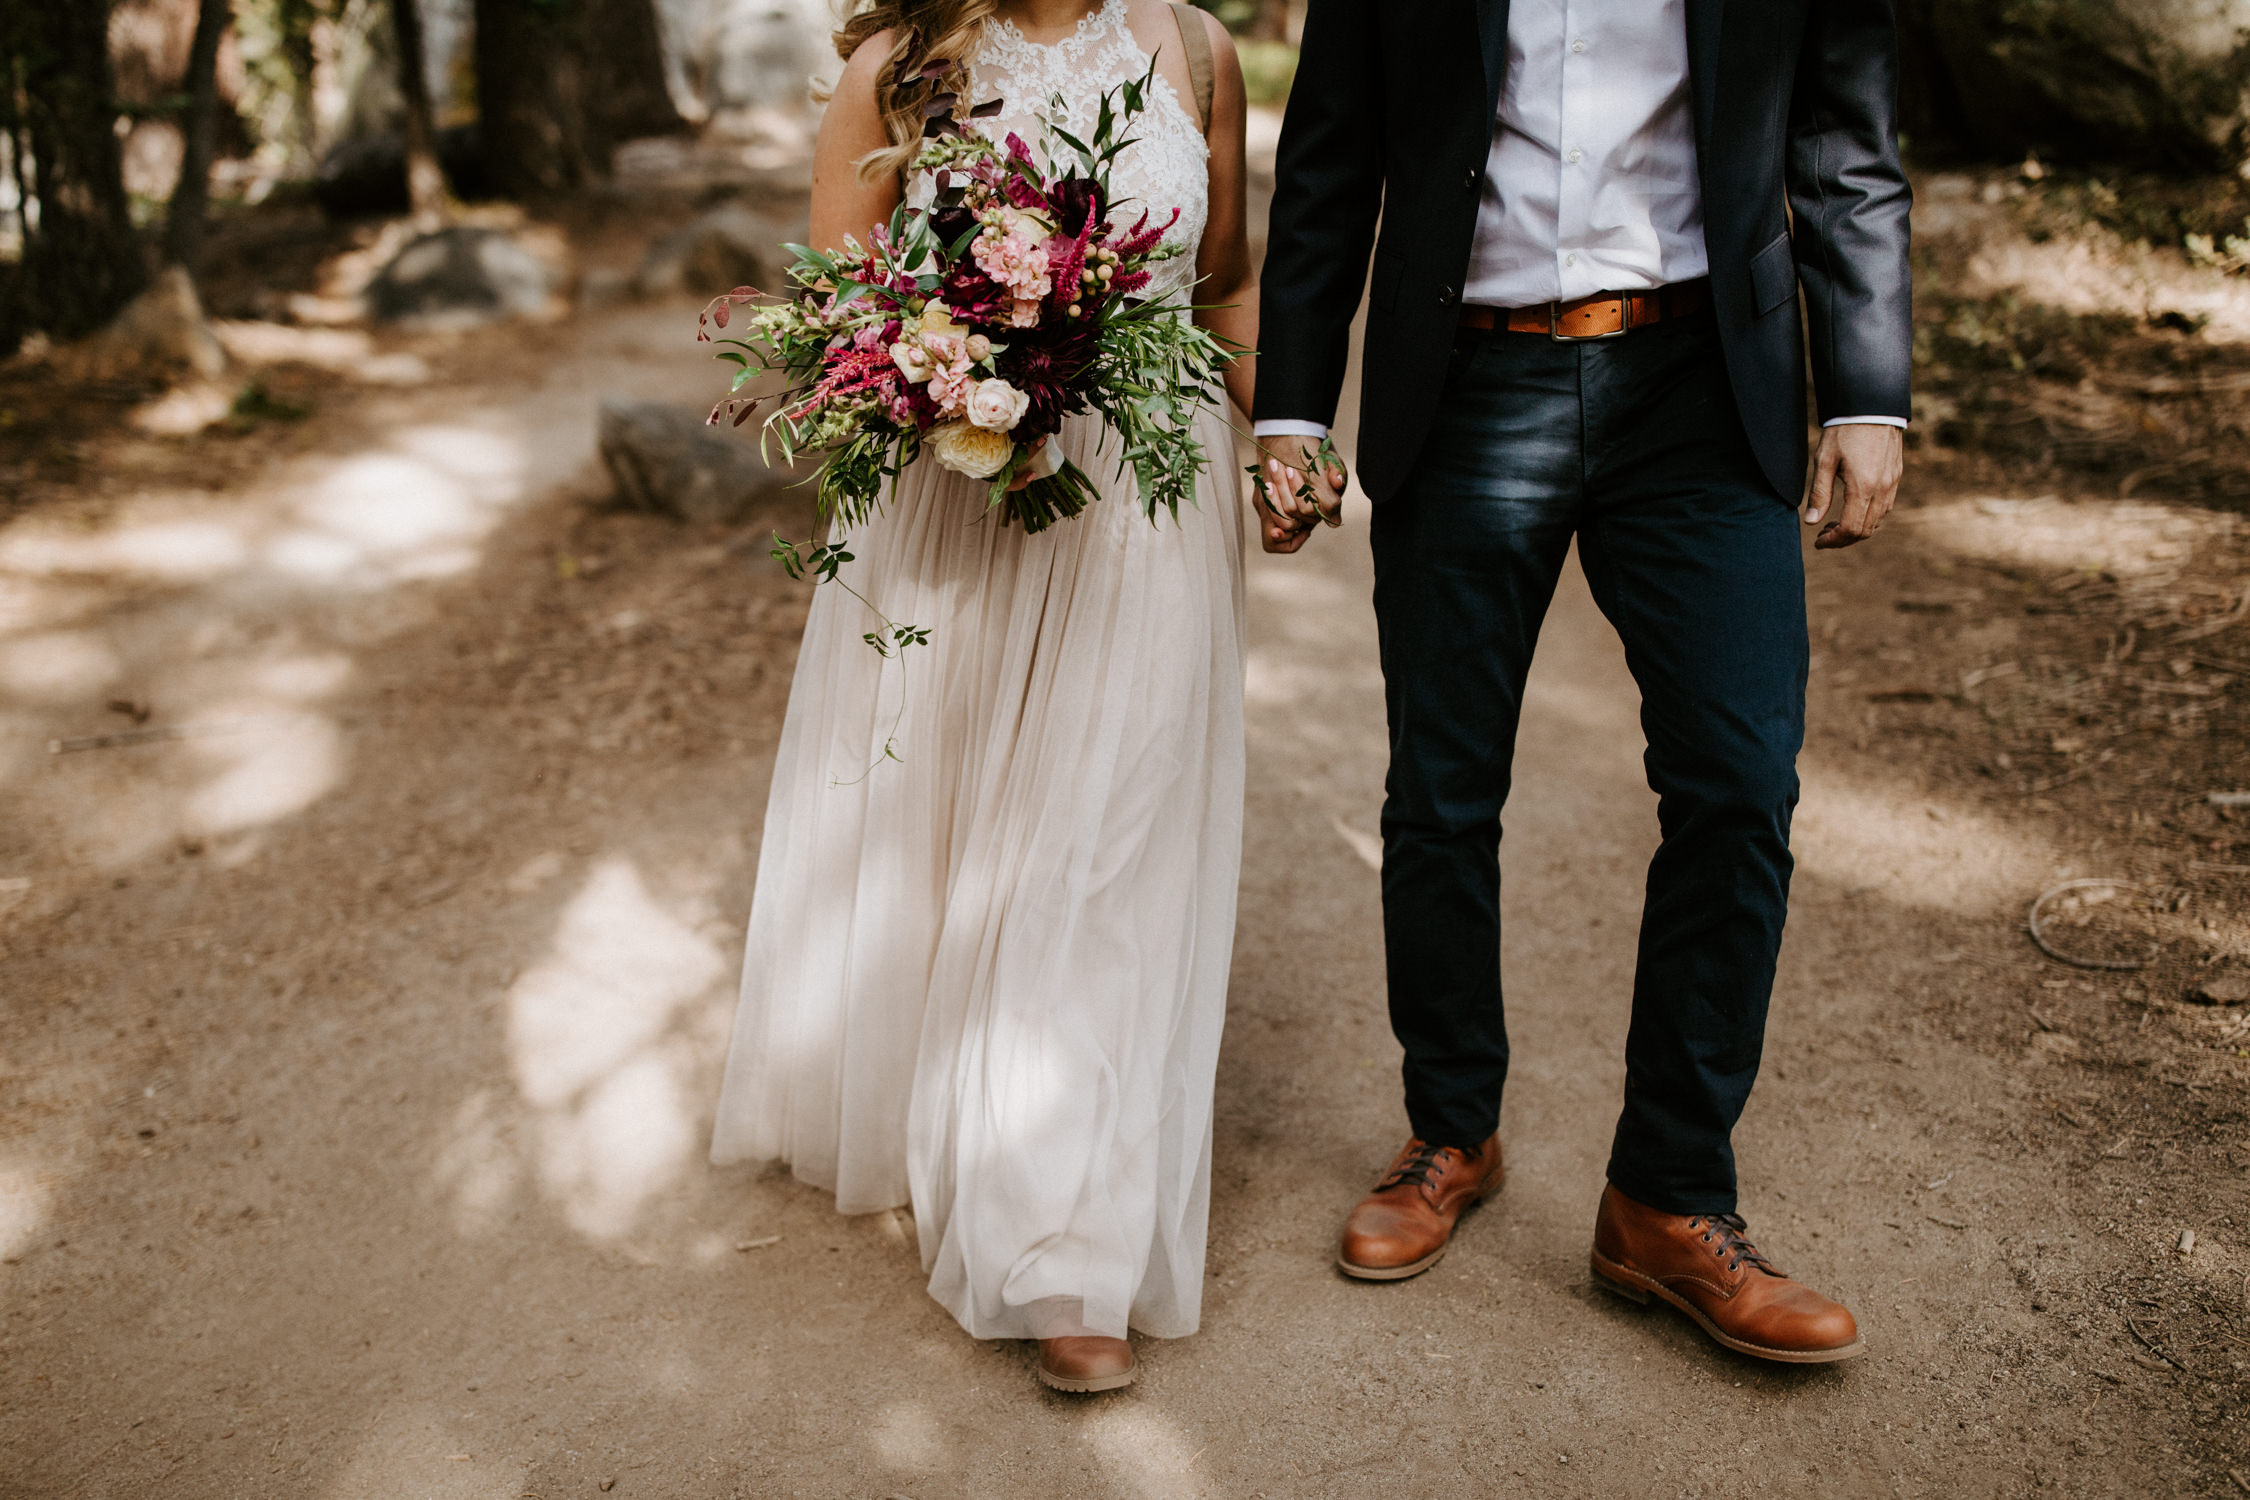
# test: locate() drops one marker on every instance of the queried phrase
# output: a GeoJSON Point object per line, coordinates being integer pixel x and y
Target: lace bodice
{"type": "Point", "coordinates": [1167, 167]}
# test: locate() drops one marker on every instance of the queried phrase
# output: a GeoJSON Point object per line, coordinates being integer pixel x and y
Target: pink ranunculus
{"type": "Point", "coordinates": [950, 389]}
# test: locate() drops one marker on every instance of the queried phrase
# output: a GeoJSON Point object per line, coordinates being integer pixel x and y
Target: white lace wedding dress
{"type": "Point", "coordinates": [989, 981]}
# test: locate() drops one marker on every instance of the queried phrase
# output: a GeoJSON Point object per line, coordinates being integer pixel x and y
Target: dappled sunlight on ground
{"type": "Point", "coordinates": [418, 1448]}
{"type": "Point", "coordinates": [2090, 270]}
{"type": "Point", "coordinates": [607, 1040]}
{"type": "Point", "coordinates": [2115, 536]}
{"type": "Point", "coordinates": [1901, 844]}
{"type": "Point", "coordinates": [1143, 1450]}
{"type": "Point", "coordinates": [23, 1207]}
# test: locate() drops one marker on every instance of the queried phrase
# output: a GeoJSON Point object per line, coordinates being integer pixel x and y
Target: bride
{"type": "Point", "coordinates": [989, 980]}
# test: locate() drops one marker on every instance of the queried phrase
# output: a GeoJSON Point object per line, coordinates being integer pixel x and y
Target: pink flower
{"type": "Point", "coordinates": [950, 389]}
{"type": "Point", "coordinates": [1014, 254]}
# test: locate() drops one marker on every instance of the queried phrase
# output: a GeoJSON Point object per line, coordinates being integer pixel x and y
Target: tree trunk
{"type": "Point", "coordinates": [183, 223]}
{"type": "Point", "coordinates": [1272, 22]}
{"type": "Point", "coordinates": [561, 82]}
{"type": "Point", "coordinates": [81, 259]}
{"type": "Point", "coordinates": [425, 181]}
{"type": "Point", "coordinates": [294, 20]}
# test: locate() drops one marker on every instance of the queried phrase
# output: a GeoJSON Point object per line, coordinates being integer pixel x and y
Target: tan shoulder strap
{"type": "Point", "coordinates": [1195, 44]}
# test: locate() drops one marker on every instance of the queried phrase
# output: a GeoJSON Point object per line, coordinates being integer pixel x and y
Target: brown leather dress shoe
{"type": "Point", "coordinates": [1705, 1266]}
{"type": "Point", "coordinates": [1402, 1228]}
{"type": "Point", "coordinates": [1086, 1363]}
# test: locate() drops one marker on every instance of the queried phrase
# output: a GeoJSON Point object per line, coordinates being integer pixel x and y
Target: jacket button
{"type": "Point", "coordinates": [1445, 296]}
{"type": "Point", "coordinates": [1472, 178]}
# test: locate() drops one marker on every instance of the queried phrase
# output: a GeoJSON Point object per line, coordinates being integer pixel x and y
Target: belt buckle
{"type": "Point", "coordinates": [1624, 323]}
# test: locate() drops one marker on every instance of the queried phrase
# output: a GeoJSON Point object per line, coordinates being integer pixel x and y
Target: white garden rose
{"type": "Point", "coordinates": [913, 360]}
{"type": "Point", "coordinates": [966, 448]}
{"type": "Point", "coordinates": [996, 405]}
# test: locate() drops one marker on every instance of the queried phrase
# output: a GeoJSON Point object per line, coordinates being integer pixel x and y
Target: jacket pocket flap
{"type": "Point", "coordinates": [1773, 276]}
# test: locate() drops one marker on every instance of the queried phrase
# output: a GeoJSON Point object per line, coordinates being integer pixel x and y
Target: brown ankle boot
{"type": "Point", "coordinates": [1086, 1362]}
{"type": "Point", "coordinates": [1705, 1266]}
{"type": "Point", "coordinates": [1402, 1228]}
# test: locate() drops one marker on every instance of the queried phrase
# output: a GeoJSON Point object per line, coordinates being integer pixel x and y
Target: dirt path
{"type": "Point", "coordinates": [359, 1050]}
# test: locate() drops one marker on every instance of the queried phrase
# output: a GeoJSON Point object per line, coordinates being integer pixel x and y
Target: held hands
{"type": "Point", "coordinates": [1297, 483]}
{"type": "Point", "coordinates": [1855, 476]}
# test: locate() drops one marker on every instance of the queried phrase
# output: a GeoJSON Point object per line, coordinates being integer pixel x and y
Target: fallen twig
{"type": "Point", "coordinates": [123, 737]}
{"type": "Point", "coordinates": [2213, 627]}
{"type": "Point", "coordinates": [2152, 1347]}
{"type": "Point", "coordinates": [2051, 783]}
{"type": "Point", "coordinates": [2037, 928]}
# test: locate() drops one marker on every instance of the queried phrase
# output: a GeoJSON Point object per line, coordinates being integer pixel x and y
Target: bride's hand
{"type": "Point", "coordinates": [1024, 475]}
{"type": "Point", "coordinates": [1277, 533]}
{"type": "Point", "coordinates": [1299, 489]}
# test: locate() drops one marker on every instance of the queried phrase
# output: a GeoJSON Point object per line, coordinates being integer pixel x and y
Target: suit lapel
{"type": "Point", "coordinates": [1492, 32]}
{"type": "Point", "coordinates": [1705, 21]}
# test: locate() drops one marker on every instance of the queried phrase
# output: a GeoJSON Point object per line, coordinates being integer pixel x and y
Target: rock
{"type": "Point", "coordinates": [460, 278]}
{"type": "Point", "coordinates": [732, 53]}
{"type": "Point", "coordinates": [727, 246]}
{"type": "Point", "coordinates": [160, 332]}
{"type": "Point", "coordinates": [667, 461]}
{"type": "Point", "coordinates": [2221, 989]}
{"type": "Point", "coordinates": [2164, 81]}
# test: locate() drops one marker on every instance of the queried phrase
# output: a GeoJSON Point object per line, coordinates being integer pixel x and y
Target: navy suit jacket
{"type": "Point", "coordinates": [1390, 121]}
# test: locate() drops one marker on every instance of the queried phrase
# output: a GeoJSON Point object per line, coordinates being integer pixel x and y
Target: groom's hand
{"type": "Point", "coordinates": [1300, 490]}
{"type": "Point", "coordinates": [1855, 478]}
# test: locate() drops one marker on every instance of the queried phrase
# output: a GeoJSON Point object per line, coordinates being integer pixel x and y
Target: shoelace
{"type": "Point", "coordinates": [1734, 1243]}
{"type": "Point", "coordinates": [1420, 1166]}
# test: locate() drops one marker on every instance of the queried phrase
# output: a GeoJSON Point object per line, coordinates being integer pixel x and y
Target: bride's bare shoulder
{"type": "Point", "coordinates": [863, 70]}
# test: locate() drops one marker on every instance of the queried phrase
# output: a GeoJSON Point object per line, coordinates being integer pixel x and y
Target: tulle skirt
{"type": "Point", "coordinates": [988, 978]}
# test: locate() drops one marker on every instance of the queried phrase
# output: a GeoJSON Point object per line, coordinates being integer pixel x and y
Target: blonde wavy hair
{"type": "Point", "coordinates": [922, 32]}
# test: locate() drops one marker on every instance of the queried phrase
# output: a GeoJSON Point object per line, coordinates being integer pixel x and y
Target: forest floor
{"type": "Point", "coordinates": [381, 816]}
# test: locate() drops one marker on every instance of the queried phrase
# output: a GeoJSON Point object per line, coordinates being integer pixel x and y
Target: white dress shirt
{"type": "Point", "coordinates": [1591, 182]}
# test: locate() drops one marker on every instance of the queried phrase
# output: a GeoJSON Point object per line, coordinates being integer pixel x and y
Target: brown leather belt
{"type": "Point", "coordinates": [1606, 315]}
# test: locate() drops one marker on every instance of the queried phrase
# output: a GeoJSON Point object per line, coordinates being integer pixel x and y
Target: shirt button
{"type": "Point", "coordinates": [1578, 44]}
{"type": "Point", "coordinates": [1445, 296]}
{"type": "Point", "coordinates": [1570, 259]}
{"type": "Point", "coordinates": [1575, 157]}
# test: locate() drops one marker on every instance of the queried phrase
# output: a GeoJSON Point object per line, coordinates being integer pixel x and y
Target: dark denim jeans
{"type": "Point", "coordinates": [1634, 447]}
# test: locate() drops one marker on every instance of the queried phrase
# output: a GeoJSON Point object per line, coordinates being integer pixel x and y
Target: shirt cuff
{"type": "Point", "coordinates": [1865, 421]}
{"type": "Point", "coordinates": [1287, 427]}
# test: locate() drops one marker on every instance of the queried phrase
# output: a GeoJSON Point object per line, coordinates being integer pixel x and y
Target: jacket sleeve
{"type": "Point", "coordinates": [1328, 193]}
{"type": "Point", "coordinates": [1850, 198]}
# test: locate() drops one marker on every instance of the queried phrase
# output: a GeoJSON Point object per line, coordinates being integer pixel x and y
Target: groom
{"type": "Point", "coordinates": [1590, 221]}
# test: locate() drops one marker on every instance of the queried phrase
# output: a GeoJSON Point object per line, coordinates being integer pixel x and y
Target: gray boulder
{"type": "Point", "coordinates": [460, 278]}
{"type": "Point", "coordinates": [2160, 81]}
{"type": "Point", "coordinates": [728, 246]}
{"type": "Point", "coordinates": [727, 54]}
{"type": "Point", "coordinates": [665, 460]}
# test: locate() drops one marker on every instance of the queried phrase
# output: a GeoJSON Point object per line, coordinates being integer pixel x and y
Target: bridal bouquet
{"type": "Point", "coordinates": [971, 328]}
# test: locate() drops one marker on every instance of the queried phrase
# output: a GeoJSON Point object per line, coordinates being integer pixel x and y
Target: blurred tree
{"type": "Point", "coordinates": [81, 260]}
{"type": "Point", "coordinates": [1272, 21]}
{"type": "Point", "coordinates": [425, 180]}
{"type": "Point", "coordinates": [183, 224]}
{"type": "Point", "coordinates": [561, 82]}
{"type": "Point", "coordinates": [2160, 82]}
